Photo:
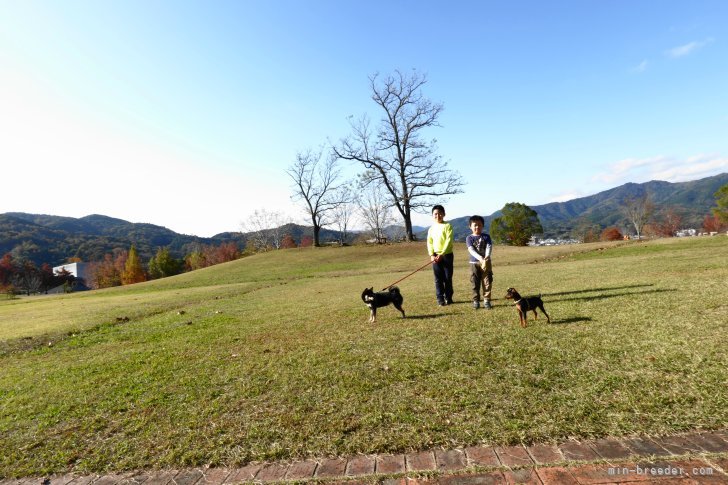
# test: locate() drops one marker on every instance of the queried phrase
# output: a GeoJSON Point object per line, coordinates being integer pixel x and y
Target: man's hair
{"type": "Point", "coordinates": [437, 207]}
{"type": "Point", "coordinates": [476, 219]}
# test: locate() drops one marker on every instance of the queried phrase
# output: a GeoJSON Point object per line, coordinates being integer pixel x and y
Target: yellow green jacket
{"type": "Point", "coordinates": [439, 239]}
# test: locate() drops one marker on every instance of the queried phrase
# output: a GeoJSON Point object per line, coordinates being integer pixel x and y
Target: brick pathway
{"type": "Point", "coordinates": [698, 457]}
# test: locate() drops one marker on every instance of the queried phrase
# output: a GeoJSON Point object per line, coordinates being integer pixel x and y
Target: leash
{"type": "Point", "coordinates": [415, 271]}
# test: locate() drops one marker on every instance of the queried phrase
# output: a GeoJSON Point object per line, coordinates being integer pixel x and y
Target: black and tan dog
{"type": "Point", "coordinates": [379, 299]}
{"type": "Point", "coordinates": [524, 305]}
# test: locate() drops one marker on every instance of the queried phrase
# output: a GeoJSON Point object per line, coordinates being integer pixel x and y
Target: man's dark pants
{"type": "Point", "coordinates": [443, 278]}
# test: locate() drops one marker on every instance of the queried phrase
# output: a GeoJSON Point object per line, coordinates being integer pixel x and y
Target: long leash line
{"type": "Point", "coordinates": [415, 271]}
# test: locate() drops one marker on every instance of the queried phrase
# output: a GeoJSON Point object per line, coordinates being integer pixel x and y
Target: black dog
{"type": "Point", "coordinates": [524, 305]}
{"type": "Point", "coordinates": [379, 299]}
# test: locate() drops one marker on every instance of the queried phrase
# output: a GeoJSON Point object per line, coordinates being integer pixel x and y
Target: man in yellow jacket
{"type": "Point", "coordinates": [439, 246]}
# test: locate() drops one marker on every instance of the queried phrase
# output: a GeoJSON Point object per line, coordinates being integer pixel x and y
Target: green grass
{"type": "Point", "coordinates": [271, 357]}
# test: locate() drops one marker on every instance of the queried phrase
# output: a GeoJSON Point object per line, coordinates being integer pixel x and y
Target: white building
{"type": "Point", "coordinates": [79, 270]}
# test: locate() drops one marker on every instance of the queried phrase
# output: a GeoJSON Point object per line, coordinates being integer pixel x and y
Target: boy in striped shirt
{"type": "Point", "coordinates": [481, 272]}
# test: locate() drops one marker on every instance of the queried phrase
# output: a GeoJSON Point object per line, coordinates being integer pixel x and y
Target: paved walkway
{"type": "Point", "coordinates": [698, 457]}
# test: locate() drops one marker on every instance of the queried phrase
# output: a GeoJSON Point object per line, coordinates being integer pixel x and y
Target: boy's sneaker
{"type": "Point", "coordinates": [476, 304]}
{"type": "Point", "coordinates": [486, 305]}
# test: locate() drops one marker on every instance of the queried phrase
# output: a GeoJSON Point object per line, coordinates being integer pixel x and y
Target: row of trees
{"type": "Point", "coordinates": [125, 267]}
{"type": "Point", "coordinates": [120, 268]}
{"type": "Point", "coordinates": [402, 169]}
{"type": "Point", "coordinates": [25, 277]}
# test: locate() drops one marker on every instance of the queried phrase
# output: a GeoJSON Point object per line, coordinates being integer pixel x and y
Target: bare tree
{"type": "Point", "coordinates": [317, 184]}
{"type": "Point", "coordinates": [344, 212]}
{"type": "Point", "coordinates": [396, 156]}
{"type": "Point", "coordinates": [638, 210]}
{"type": "Point", "coordinates": [375, 209]}
{"type": "Point", "coordinates": [264, 229]}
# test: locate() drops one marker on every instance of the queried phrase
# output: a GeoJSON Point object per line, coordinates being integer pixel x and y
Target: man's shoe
{"type": "Point", "coordinates": [449, 302]}
{"type": "Point", "coordinates": [476, 304]}
{"type": "Point", "coordinates": [441, 303]}
{"type": "Point", "coordinates": [486, 305]}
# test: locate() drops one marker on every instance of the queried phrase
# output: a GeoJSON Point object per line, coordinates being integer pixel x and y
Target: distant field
{"type": "Point", "coordinates": [271, 357]}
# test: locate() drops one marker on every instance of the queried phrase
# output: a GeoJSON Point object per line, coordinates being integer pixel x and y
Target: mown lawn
{"type": "Point", "coordinates": [271, 357]}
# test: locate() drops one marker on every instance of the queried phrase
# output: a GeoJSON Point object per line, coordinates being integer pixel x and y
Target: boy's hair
{"type": "Point", "coordinates": [476, 219]}
{"type": "Point", "coordinates": [437, 207]}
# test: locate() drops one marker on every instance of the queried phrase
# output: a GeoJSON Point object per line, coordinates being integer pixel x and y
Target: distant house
{"type": "Point", "coordinates": [82, 273]}
{"type": "Point", "coordinates": [686, 232]}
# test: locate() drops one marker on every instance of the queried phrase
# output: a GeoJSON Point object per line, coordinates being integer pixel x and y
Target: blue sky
{"type": "Point", "coordinates": [186, 114]}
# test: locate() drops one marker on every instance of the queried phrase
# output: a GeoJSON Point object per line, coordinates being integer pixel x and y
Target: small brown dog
{"type": "Point", "coordinates": [524, 305]}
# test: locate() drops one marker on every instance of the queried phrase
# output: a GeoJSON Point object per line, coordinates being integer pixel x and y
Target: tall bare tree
{"type": "Point", "coordinates": [638, 210]}
{"type": "Point", "coordinates": [316, 180]}
{"type": "Point", "coordinates": [395, 155]}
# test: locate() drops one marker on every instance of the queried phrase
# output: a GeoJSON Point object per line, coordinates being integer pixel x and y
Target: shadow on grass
{"type": "Point", "coordinates": [609, 288]}
{"type": "Point", "coordinates": [571, 320]}
{"type": "Point", "coordinates": [612, 295]}
{"type": "Point", "coordinates": [425, 317]}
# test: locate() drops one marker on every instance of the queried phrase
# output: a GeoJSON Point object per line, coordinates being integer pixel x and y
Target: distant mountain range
{"type": "Point", "coordinates": [54, 239]}
{"type": "Point", "coordinates": [691, 200]}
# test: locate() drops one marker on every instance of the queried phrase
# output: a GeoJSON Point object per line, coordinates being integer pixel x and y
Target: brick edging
{"type": "Point", "coordinates": [435, 460]}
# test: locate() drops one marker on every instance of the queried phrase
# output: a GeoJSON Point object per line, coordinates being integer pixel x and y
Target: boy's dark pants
{"type": "Point", "coordinates": [480, 277]}
{"type": "Point", "coordinates": [443, 278]}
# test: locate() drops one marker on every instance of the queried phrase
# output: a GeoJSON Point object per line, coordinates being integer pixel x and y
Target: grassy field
{"type": "Point", "coordinates": [271, 357]}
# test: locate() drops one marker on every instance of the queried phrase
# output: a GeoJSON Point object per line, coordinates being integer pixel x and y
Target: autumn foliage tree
{"type": "Point", "coordinates": [288, 242]}
{"type": "Point", "coordinates": [7, 271]}
{"type": "Point", "coordinates": [209, 255]}
{"type": "Point", "coordinates": [712, 223]}
{"type": "Point", "coordinates": [669, 223]}
{"type": "Point", "coordinates": [133, 269]}
{"type": "Point", "coordinates": [611, 234]}
{"type": "Point", "coordinates": [107, 273]}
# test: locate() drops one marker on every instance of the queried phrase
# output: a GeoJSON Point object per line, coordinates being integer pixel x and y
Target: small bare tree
{"type": "Point", "coordinates": [317, 184]}
{"type": "Point", "coordinates": [344, 212]}
{"type": "Point", "coordinates": [395, 155]}
{"type": "Point", "coordinates": [375, 210]}
{"type": "Point", "coordinates": [638, 210]}
{"type": "Point", "coordinates": [264, 229]}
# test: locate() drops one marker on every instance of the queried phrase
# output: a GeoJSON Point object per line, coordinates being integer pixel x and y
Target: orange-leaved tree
{"type": "Point", "coordinates": [133, 270]}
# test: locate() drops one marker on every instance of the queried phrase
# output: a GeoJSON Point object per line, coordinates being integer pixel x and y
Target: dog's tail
{"type": "Point", "coordinates": [393, 289]}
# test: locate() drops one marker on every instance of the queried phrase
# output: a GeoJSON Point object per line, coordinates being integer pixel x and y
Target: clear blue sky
{"type": "Point", "coordinates": [186, 114]}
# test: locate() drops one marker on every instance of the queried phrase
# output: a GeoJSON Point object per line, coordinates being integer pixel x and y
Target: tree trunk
{"type": "Point", "coordinates": [408, 228]}
{"type": "Point", "coordinates": [316, 230]}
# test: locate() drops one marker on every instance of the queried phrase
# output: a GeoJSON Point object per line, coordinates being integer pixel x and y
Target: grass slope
{"type": "Point", "coordinates": [271, 357]}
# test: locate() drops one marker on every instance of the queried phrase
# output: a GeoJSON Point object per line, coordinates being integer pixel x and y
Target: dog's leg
{"type": "Point", "coordinates": [522, 317]}
{"type": "Point", "coordinates": [548, 320]}
{"type": "Point", "coordinates": [373, 315]}
{"type": "Point", "coordinates": [535, 315]}
{"type": "Point", "coordinates": [399, 307]}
